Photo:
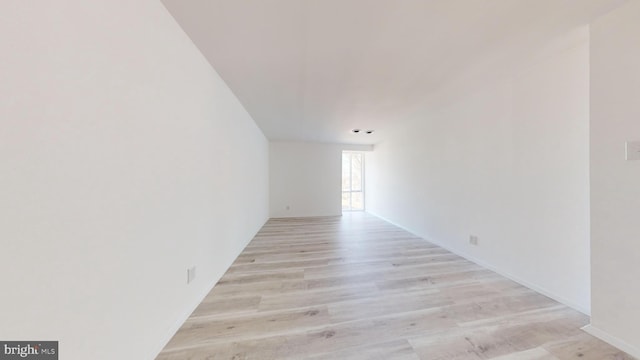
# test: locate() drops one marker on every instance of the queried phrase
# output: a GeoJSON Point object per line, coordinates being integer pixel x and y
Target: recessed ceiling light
{"type": "Point", "coordinates": [370, 131]}
{"type": "Point", "coordinates": [355, 131]}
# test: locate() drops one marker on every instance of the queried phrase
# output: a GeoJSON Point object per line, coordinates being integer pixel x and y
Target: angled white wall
{"type": "Point", "coordinates": [125, 160]}
{"type": "Point", "coordinates": [615, 183]}
{"type": "Point", "coordinates": [507, 163]}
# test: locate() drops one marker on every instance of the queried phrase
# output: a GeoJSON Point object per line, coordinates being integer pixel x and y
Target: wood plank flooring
{"type": "Point", "coordinates": [356, 287]}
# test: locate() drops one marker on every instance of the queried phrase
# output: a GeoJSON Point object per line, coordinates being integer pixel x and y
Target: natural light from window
{"type": "Point", "coordinates": [352, 181]}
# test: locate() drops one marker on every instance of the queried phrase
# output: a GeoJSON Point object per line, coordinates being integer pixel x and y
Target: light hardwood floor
{"type": "Point", "coordinates": [356, 287]}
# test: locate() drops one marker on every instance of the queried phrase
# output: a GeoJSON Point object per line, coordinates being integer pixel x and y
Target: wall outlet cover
{"type": "Point", "coordinates": [191, 274]}
{"type": "Point", "coordinates": [632, 149]}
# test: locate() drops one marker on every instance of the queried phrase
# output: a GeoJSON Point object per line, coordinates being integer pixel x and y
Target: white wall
{"type": "Point", "coordinates": [305, 178]}
{"type": "Point", "coordinates": [509, 164]}
{"type": "Point", "coordinates": [615, 192]}
{"type": "Point", "coordinates": [124, 160]}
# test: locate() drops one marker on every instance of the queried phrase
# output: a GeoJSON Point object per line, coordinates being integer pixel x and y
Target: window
{"type": "Point", "coordinates": [352, 181]}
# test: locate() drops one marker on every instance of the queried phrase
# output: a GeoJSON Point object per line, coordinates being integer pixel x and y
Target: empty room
{"type": "Point", "coordinates": [320, 179]}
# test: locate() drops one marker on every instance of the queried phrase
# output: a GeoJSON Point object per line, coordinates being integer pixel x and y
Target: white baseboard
{"type": "Point", "coordinates": [612, 340]}
{"type": "Point", "coordinates": [497, 270]}
{"type": "Point", "coordinates": [180, 321]}
{"type": "Point", "coordinates": [525, 283]}
{"type": "Point", "coordinates": [190, 309]}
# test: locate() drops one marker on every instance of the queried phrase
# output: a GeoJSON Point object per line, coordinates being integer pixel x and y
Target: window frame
{"type": "Point", "coordinates": [362, 180]}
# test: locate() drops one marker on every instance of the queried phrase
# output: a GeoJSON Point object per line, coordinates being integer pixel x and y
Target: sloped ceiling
{"type": "Point", "coordinates": [312, 70]}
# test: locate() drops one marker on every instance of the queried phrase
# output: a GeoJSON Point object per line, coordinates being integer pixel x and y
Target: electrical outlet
{"type": "Point", "coordinates": [191, 274]}
{"type": "Point", "coordinates": [473, 240]}
{"type": "Point", "coordinates": [632, 150]}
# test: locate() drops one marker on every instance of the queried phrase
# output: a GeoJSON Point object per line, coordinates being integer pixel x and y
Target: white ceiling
{"type": "Point", "coordinates": [312, 70]}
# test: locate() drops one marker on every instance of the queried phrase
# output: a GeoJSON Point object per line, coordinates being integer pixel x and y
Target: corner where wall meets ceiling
{"type": "Point", "coordinates": [314, 70]}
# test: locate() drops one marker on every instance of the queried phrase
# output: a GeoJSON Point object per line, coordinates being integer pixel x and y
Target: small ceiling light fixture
{"type": "Point", "coordinates": [356, 131]}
